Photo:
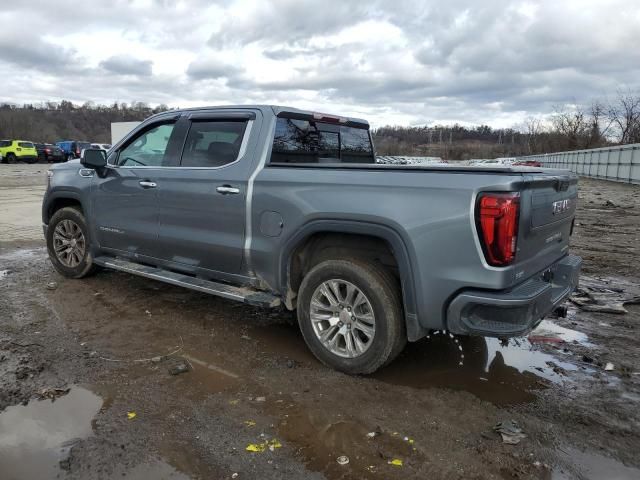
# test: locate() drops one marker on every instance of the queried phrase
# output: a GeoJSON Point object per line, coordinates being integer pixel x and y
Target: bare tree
{"type": "Point", "coordinates": [533, 129]}
{"type": "Point", "coordinates": [572, 125]}
{"type": "Point", "coordinates": [599, 125]}
{"type": "Point", "coordinates": [624, 115]}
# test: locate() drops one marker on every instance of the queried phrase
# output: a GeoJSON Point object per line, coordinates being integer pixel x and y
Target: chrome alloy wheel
{"type": "Point", "coordinates": [69, 244]}
{"type": "Point", "coordinates": [342, 318]}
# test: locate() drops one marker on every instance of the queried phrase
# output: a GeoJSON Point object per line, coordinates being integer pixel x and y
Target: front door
{"type": "Point", "coordinates": [124, 200]}
{"type": "Point", "coordinates": [202, 204]}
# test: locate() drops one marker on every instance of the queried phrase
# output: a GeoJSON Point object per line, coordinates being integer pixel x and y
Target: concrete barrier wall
{"type": "Point", "coordinates": [621, 163]}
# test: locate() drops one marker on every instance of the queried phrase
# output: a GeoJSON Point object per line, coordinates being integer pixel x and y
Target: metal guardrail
{"type": "Point", "coordinates": [620, 163]}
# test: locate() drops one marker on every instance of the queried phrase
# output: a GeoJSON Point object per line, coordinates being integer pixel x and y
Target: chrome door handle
{"type": "Point", "coordinates": [226, 189]}
{"type": "Point", "coordinates": [147, 184]}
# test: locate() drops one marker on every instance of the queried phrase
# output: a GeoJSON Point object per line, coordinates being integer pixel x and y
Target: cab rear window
{"type": "Point", "coordinates": [308, 141]}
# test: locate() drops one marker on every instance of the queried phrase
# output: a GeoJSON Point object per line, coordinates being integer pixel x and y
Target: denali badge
{"type": "Point", "coordinates": [111, 229]}
{"type": "Point", "coordinates": [562, 206]}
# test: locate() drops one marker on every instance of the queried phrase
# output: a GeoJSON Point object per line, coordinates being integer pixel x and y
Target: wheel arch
{"type": "Point", "coordinates": [59, 200]}
{"type": "Point", "coordinates": [363, 236]}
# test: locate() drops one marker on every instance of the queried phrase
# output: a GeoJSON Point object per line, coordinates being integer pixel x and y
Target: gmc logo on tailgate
{"type": "Point", "coordinates": [562, 206]}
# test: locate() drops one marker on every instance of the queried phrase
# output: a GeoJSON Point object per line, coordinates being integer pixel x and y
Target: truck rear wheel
{"type": "Point", "coordinates": [68, 243]}
{"type": "Point", "coordinates": [350, 315]}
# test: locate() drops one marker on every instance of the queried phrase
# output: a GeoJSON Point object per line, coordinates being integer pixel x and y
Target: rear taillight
{"type": "Point", "coordinates": [48, 150]}
{"type": "Point", "coordinates": [497, 221]}
{"type": "Point", "coordinates": [78, 151]}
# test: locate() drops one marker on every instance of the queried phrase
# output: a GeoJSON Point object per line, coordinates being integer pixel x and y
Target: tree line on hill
{"type": "Point", "coordinates": [599, 124]}
{"type": "Point", "coordinates": [50, 122]}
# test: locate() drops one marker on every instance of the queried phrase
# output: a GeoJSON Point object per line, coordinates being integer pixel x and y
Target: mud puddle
{"type": "Point", "coordinates": [321, 439]}
{"type": "Point", "coordinates": [34, 438]}
{"type": "Point", "coordinates": [550, 332]}
{"type": "Point", "coordinates": [502, 373]}
{"type": "Point", "coordinates": [593, 466]}
{"type": "Point", "coordinates": [204, 378]}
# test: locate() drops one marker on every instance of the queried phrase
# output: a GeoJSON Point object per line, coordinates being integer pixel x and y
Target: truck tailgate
{"type": "Point", "coordinates": [548, 205]}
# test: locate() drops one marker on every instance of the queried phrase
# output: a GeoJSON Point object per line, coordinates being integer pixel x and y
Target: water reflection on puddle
{"type": "Point", "coordinates": [503, 374]}
{"type": "Point", "coordinates": [33, 438]}
{"type": "Point", "coordinates": [594, 466]}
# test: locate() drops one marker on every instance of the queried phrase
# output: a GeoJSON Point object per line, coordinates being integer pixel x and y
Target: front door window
{"type": "Point", "coordinates": [148, 149]}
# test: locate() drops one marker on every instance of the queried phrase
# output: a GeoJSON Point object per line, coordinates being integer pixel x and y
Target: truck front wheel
{"type": "Point", "coordinates": [68, 243]}
{"type": "Point", "coordinates": [350, 315]}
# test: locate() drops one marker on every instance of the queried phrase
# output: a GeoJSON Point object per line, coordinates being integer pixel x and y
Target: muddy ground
{"type": "Point", "coordinates": [113, 339]}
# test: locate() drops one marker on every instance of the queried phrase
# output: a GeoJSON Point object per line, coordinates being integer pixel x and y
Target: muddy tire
{"type": "Point", "coordinates": [350, 315]}
{"type": "Point", "coordinates": [68, 243]}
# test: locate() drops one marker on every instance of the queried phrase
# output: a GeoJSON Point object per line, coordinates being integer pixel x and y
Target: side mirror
{"type": "Point", "coordinates": [94, 158]}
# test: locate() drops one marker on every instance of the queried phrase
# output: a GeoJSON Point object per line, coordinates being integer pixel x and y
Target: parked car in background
{"type": "Point", "coordinates": [50, 153]}
{"type": "Point", "coordinates": [527, 163]}
{"type": "Point", "coordinates": [72, 148]}
{"type": "Point", "coordinates": [492, 162]}
{"type": "Point", "coordinates": [101, 146]}
{"type": "Point", "coordinates": [18, 150]}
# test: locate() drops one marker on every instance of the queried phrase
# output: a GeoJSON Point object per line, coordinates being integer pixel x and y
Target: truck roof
{"type": "Point", "coordinates": [275, 109]}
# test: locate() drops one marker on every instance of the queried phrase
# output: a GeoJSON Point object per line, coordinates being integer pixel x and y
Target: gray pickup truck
{"type": "Point", "coordinates": [279, 207]}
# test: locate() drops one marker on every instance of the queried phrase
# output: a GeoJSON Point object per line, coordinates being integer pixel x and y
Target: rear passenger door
{"type": "Point", "coordinates": [202, 202]}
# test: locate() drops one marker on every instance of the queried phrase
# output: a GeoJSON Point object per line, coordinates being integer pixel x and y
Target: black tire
{"type": "Point", "coordinates": [11, 158]}
{"type": "Point", "coordinates": [86, 266]}
{"type": "Point", "coordinates": [70, 157]}
{"type": "Point", "coordinates": [383, 293]}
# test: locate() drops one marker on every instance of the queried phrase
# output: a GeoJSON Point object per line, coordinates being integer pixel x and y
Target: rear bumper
{"type": "Point", "coordinates": [514, 312]}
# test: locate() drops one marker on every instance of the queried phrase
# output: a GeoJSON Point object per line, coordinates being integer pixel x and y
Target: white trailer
{"type": "Point", "coordinates": [120, 129]}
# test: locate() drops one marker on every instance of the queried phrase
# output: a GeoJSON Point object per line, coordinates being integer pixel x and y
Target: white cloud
{"type": "Point", "coordinates": [405, 61]}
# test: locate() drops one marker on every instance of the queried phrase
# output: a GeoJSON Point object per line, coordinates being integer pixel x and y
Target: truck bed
{"type": "Point", "coordinates": [428, 168]}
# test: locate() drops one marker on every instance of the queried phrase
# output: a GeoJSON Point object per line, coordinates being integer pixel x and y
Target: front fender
{"type": "Point", "coordinates": [54, 196]}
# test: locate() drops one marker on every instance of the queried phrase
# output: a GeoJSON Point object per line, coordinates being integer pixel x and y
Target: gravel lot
{"type": "Point", "coordinates": [112, 340]}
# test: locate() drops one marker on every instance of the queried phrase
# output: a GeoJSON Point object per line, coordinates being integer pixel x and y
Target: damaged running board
{"type": "Point", "coordinates": [241, 294]}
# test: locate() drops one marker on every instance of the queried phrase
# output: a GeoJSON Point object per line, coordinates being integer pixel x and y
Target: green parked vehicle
{"type": "Point", "coordinates": [12, 151]}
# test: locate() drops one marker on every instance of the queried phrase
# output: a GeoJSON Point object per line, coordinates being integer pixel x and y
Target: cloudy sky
{"type": "Point", "coordinates": [391, 61]}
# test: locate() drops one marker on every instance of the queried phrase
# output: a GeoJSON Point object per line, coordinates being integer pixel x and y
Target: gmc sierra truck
{"type": "Point", "coordinates": [279, 207]}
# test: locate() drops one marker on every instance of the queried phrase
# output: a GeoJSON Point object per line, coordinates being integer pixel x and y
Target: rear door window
{"type": "Point", "coordinates": [306, 141]}
{"type": "Point", "coordinates": [212, 144]}
{"type": "Point", "coordinates": [25, 144]}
